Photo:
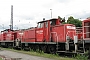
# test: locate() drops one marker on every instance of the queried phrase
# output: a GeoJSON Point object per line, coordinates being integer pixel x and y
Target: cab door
{"type": "Point", "coordinates": [39, 32]}
{"type": "Point", "coordinates": [43, 31]}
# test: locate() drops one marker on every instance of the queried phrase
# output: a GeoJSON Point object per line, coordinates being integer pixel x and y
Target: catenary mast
{"type": "Point", "coordinates": [11, 23]}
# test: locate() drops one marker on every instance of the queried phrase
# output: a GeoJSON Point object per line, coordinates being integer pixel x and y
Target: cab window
{"type": "Point", "coordinates": [53, 22]}
{"type": "Point", "coordinates": [40, 25]}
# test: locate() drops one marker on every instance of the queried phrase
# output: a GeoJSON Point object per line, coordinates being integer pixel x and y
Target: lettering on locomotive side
{"type": "Point", "coordinates": [8, 35]}
{"type": "Point", "coordinates": [71, 27]}
{"type": "Point", "coordinates": [39, 32]}
{"type": "Point", "coordinates": [21, 34]}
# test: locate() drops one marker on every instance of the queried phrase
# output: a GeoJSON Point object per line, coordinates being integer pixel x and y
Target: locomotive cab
{"type": "Point", "coordinates": [44, 28]}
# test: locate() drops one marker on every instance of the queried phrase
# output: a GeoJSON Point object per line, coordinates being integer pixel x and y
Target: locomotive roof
{"type": "Point", "coordinates": [7, 30]}
{"type": "Point", "coordinates": [47, 20]}
{"type": "Point", "coordinates": [87, 20]}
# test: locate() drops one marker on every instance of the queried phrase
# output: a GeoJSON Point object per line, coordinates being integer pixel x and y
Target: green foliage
{"type": "Point", "coordinates": [70, 19]}
{"type": "Point", "coordinates": [57, 54]}
{"type": "Point", "coordinates": [62, 19]}
{"type": "Point", "coordinates": [39, 51]}
{"type": "Point", "coordinates": [32, 50]}
{"type": "Point", "coordinates": [59, 18]}
{"type": "Point", "coordinates": [76, 22]}
{"type": "Point", "coordinates": [81, 57]}
{"type": "Point", "coordinates": [64, 22]}
{"type": "Point", "coordinates": [0, 58]}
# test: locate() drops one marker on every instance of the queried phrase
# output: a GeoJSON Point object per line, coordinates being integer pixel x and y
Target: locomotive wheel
{"type": "Point", "coordinates": [32, 47]}
{"type": "Point", "coordinates": [36, 48]}
{"type": "Point", "coordinates": [52, 49]}
{"type": "Point", "coordinates": [44, 48]}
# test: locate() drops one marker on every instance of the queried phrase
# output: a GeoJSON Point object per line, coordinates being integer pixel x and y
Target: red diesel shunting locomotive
{"type": "Point", "coordinates": [49, 35]}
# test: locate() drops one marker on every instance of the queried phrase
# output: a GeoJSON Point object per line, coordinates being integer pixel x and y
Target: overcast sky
{"type": "Point", "coordinates": [26, 13]}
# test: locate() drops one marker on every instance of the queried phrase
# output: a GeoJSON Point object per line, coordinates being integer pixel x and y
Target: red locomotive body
{"type": "Point", "coordinates": [10, 36]}
{"type": "Point", "coordinates": [86, 30]}
{"type": "Point", "coordinates": [7, 37]}
{"type": "Point", "coordinates": [1, 36]}
{"type": "Point", "coordinates": [60, 32]}
{"type": "Point", "coordinates": [79, 32]}
{"type": "Point", "coordinates": [28, 35]}
{"type": "Point", "coordinates": [53, 30]}
{"type": "Point", "coordinates": [16, 34]}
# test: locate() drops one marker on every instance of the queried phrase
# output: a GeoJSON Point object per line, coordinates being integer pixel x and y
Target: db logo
{"type": "Point", "coordinates": [8, 35]}
{"type": "Point", "coordinates": [39, 32]}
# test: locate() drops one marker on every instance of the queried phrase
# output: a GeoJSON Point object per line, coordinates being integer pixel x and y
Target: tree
{"type": "Point", "coordinates": [62, 19]}
{"type": "Point", "coordinates": [70, 19]}
{"type": "Point", "coordinates": [76, 22]}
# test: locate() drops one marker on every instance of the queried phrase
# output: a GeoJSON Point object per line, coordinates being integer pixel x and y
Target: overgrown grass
{"type": "Point", "coordinates": [41, 54]}
{"type": "Point", "coordinates": [0, 58]}
{"type": "Point", "coordinates": [82, 56]}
